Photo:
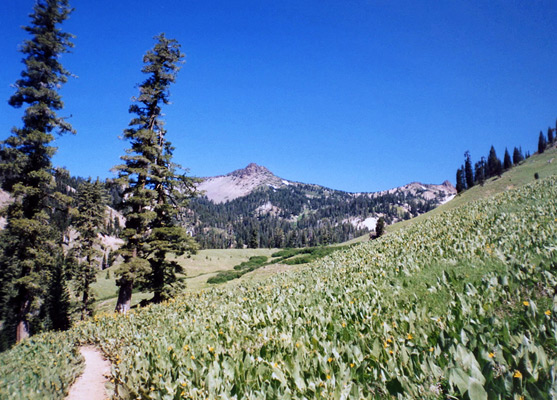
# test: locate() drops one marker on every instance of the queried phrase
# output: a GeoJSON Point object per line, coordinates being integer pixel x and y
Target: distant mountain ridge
{"type": "Point", "coordinates": [253, 207]}
{"type": "Point", "coordinates": [242, 182]}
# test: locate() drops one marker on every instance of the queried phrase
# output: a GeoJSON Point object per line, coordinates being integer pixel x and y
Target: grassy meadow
{"type": "Point", "coordinates": [458, 304]}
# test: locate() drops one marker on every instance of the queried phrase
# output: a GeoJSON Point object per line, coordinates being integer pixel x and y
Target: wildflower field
{"type": "Point", "coordinates": [460, 306]}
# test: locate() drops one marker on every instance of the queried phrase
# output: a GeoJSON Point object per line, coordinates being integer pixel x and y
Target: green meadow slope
{"type": "Point", "coordinates": [459, 304]}
{"type": "Point", "coordinates": [543, 164]}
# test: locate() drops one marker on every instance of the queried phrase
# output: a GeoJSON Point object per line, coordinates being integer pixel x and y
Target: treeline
{"type": "Point", "coordinates": [469, 175]}
{"type": "Point", "coordinates": [50, 247]}
{"type": "Point", "coordinates": [295, 216]}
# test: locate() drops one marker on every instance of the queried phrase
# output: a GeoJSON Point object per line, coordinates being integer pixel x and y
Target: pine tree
{"type": "Point", "coordinates": [460, 180]}
{"type": "Point", "coordinates": [55, 310]}
{"type": "Point", "coordinates": [480, 171]}
{"type": "Point", "coordinates": [542, 143]}
{"type": "Point", "coordinates": [380, 227]}
{"type": "Point", "coordinates": [550, 138]}
{"type": "Point", "coordinates": [253, 242]}
{"type": "Point", "coordinates": [494, 166]}
{"type": "Point", "coordinates": [469, 174]}
{"type": "Point", "coordinates": [167, 236]}
{"type": "Point", "coordinates": [88, 221]}
{"type": "Point", "coordinates": [152, 183]}
{"type": "Point", "coordinates": [31, 244]}
{"type": "Point", "coordinates": [517, 156]}
{"type": "Point", "coordinates": [507, 163]}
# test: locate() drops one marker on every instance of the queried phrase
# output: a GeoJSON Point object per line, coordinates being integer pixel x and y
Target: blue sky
{"type": "Point", "coordinates": [350, 94]}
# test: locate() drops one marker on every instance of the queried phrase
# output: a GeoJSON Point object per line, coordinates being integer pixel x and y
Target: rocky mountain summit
{"type": "Point", "coordinates": [239, 183]}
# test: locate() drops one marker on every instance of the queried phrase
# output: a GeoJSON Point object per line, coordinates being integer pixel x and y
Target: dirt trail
{"type": "Point", "coordinates": [90, 385]}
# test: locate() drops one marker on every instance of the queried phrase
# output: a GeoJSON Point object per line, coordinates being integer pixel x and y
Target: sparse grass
{"type": "Point", "coordinates": [241, 269]}
{"type": "Point", "coordinates": [215, 260]}
{"type": "Point", "coordinates": [198, 268]}
{"type": "Point", "coordinates": [105, 286]}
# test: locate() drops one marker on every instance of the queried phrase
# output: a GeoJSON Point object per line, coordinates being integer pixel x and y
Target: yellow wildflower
{"type": "Point", "coordinates": [351, 365]}
{"type": "Point", "coordinates": [409, 337]}
{"type": "Point", "coordinates": [193, 357]}
{"type": "Point", "coordinates": [517, 374]}
{"type": "Point", "coordinates": [547, 312]}
{"type": "Point", "coordinates": [491, 355]}
{"type": "Point", "coordinates": [330, 359]}
{"type": "Point", "coordinates": [526, 303]}
{"type": "Point", "coordinates": [328, 376]}
{"type": "Point", "coordinates": [344, 324]}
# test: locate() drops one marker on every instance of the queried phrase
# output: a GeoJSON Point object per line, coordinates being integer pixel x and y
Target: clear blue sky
{"type": "Point", "coordinates": [351, 94]}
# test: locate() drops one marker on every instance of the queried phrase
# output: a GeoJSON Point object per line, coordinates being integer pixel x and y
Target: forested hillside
{"type": "Point", "coordinates": [300, 215]}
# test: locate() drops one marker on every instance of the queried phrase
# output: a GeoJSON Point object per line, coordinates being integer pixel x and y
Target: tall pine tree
{"type": "Point", "coordinates": [469, 174]}
{"type": "Point", "coordinates": [460, 180]}
{"type": "Point", "coordinates": [542, 143]}
{"type": "Point", "coordinates": [517, 156]}
{"type": "Point", "coordinates": [480, 171]}
{"type": "Point", "coordinates": [550, 138]}
{"type": "Point", "coordinates": [152, 184]}
{"type": "Point", "coordinates": [507, 163]}
{"type": "Point", "coordinates": [87, 251]}
{"type": "Point", "coordinates": [30, 244]}
{"type": "Point", "coordinates": [494, 166]}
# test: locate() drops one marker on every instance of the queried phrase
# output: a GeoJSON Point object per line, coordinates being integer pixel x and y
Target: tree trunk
{"type": "Point", "coordinates": [22, 331]}
{"type": "Point", "coordinates": [124, 297]}
{"type": "Point", "coordinates": [157, 267]}
{"type": "Point", "coordinates": [85, 306]}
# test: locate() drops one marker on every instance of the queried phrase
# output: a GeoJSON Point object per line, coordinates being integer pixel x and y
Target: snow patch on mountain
{"type": "Point", "coordinates": [360, 223]}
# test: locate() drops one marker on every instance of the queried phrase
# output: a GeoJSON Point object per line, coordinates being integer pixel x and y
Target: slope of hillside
{"type": "Point", "coordinates": [544, 165]}
{"type": "Point", "coordinates": [456, 306]}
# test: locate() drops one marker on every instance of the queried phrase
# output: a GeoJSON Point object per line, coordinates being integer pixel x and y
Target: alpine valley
{"type": "Point", "coordinates": [253, 207]}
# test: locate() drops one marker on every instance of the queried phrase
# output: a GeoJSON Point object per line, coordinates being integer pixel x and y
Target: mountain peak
{"type": "Point", "coordinates": [239, 183]}
{"type": "Point", "coordinates": [251, 169]}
